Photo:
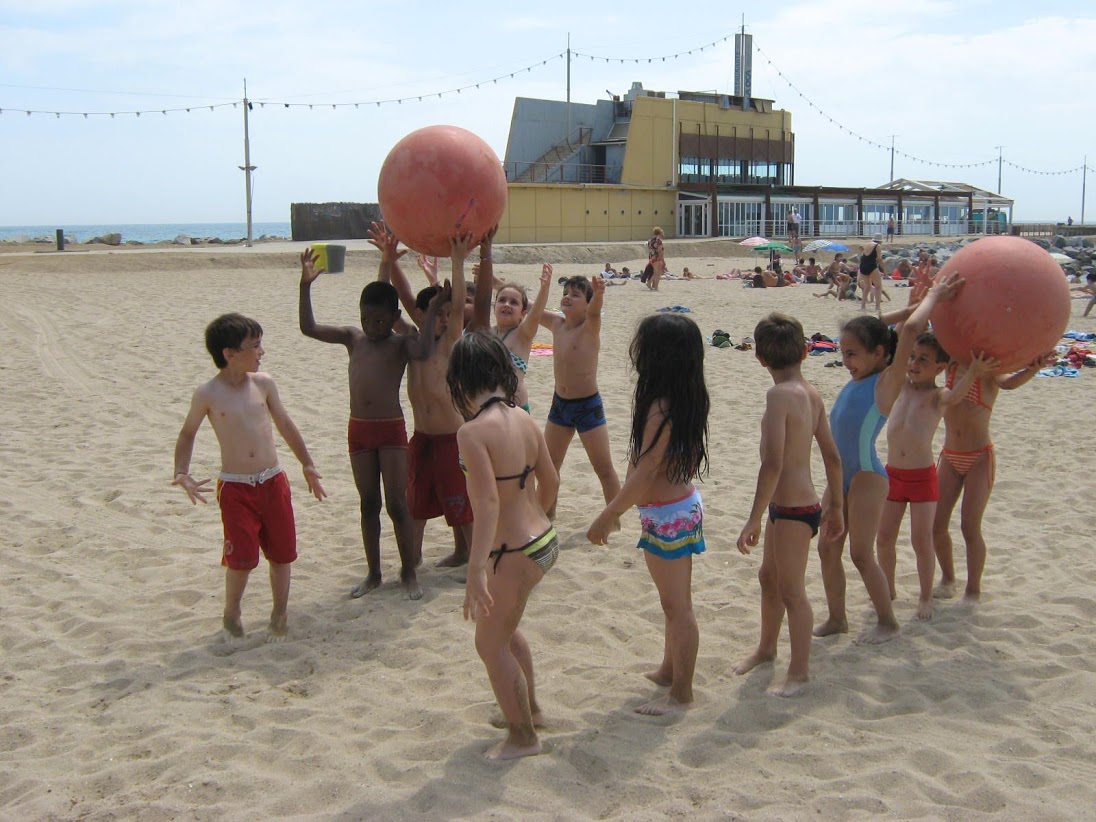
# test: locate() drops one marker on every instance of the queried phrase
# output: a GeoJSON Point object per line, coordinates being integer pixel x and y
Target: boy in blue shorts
{"type": "Point", "coordinates": [576, 403]}
{"type": "Point", "coordinates": [253, 492]}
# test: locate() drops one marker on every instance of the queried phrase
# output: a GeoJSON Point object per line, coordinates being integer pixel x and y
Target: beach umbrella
{"type": "Point", "coordinates": [772, 246]}
{"type": "Point", "coordinates": [754, 241]}
{"type": "Point", "coordinates": [826, 245]}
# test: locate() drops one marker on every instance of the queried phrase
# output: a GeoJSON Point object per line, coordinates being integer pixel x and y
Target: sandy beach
{"type": "Point", "coordinates": [118, 701]}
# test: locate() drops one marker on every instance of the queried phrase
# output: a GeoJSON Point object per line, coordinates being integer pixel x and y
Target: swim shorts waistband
{"type": "Point", "coordinates": [257, 478]}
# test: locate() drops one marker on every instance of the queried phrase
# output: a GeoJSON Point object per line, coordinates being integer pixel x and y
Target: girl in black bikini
{"type": "Point", "coordinates": [513, 542]}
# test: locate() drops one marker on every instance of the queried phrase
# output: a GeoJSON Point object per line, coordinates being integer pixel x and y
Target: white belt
{"type": "Point", "coordinates": [252, 479]}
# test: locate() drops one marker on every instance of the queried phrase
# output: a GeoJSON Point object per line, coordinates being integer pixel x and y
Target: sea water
{"type": "Point", "coordinates": [145, 233]}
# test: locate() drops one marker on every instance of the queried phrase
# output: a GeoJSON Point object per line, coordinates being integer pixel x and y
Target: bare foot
{"type": "Point", "coordinates": [791, 686]}
{"type": "Point", "coordinates": [278, 629]}
{"type": "Point", "coordinates": [498, 720]}
{"type": "Point", "coordinates": [752, 661]}
{"type": "Point", "coordinates": [370, 583]}
{"type": "Point", "coordinates": [832, 626]}
{"type": "Point", "coordinates": [454, 560]}
{"type": "Point", "coordinates": [877, 634]}
{"type": "Point", "coordinates": [660, 678]}
{"type": "Point", "coordinates": [925, 610]}
{"type": "Point", "coordinates": [662, 706]}
{"type": "Point", "coordinates": [233, 627]}
{"type": "Point", "coordinates": [971, 596]}
{"type": "Point", "coordinates": [508, 750]}
{"type": "Point", "coordinates": [411, 584]}
{"type": "Point", "coordinates": [945, 589]}
{"type": "Point", "coordinates": [893, 593]}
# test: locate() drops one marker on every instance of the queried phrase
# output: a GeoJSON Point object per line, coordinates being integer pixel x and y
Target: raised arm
{"type": "Point", "coordinates": [389, 270]}
{"type": "Point", "coordinates": [460, 246]}
{"type": "Point", "coordinates": [485, 281]}
{"type": "Point", "coordinates": [531, 323]}
{"type": "Point", "coordinates": [773, 431]}
{"type": "Point", "coordinates": [429, 266]}
{"type": "Point", "coordinates": [1014, 381]}
{"type": "Point", "coordinates": [593, 313]}
{"type": "Point", "coordinates": [341, 335]}
{"type": "Point", "coordinates": [421, 345]}
{"type": "Point", "coordinates": [979, 368]}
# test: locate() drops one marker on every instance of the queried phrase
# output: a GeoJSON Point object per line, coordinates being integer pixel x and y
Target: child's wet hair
{"type": "Point", "coordinates": [229, 331]}
{"type": "Point", "coordinates": [668, 354]}
{"type": "Point", "coordinates": [928, 339]}
{"type": "Point", "coordinates": [380, 295]}
{"type": "Point", "coordinates": [779, 340]}
{"type": "Point", "coordinates": [479, 363]}
{"type": "Point", "coordinates": [518, 288]}
{"type": "Point", "coordinates": [872, 332]}
{"type": "Point", "coordinates": [581, 283]}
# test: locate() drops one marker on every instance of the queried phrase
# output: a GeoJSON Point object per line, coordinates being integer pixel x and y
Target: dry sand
{"type": "Point", "coordinates": [117, 701]}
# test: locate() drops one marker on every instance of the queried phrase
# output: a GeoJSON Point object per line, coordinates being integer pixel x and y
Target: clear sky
{"type": "Point", "coordinates": [953, 79]}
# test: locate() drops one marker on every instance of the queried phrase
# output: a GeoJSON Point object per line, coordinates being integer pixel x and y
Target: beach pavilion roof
{"type": "Point", "coordinates": [955, 190]}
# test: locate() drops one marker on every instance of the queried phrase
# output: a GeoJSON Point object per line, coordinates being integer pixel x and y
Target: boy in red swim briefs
{"type": "Point", "coordinates": [376, 436]}
{"type": "Point", "coordinates": [914, 404]}
{"type": "Point", "coordinates": [256, 510]}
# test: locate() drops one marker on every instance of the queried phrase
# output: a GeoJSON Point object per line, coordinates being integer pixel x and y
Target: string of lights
{"type": "Point", "coordinates": [264, 102]}
{"type": "Point", "coordinates": [659, 59]}
{"type": "Point", "coordinates": [899, 152]}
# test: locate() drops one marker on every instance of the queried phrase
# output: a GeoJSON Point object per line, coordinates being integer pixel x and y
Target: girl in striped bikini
{"type": "Point", "coordinates": [967, 467]}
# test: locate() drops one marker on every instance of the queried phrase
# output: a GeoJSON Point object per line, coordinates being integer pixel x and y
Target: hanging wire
{"type": "Point", "coordinates": [263, 102]}
{"type": "Point", "coordinates": [657, 59]}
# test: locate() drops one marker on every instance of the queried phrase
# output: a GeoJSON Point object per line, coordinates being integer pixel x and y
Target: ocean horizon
{"type": "Point", "coordinates": [145, 232]}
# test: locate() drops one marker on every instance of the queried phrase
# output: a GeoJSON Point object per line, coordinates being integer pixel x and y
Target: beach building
{"type": "Point", "coordinates": [699, 164]}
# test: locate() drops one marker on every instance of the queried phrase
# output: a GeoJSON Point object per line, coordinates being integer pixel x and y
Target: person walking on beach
{"type": "Point", "coordinates": [241, 402]}
{"type": "Point", "coordinates": [668, 449]}
{"type": "Point", "coordinates": [513, 542]}
{"type": "Point", "coordinates": [656, 253]}
{"type": "Point", "coordinates": [870, 279]}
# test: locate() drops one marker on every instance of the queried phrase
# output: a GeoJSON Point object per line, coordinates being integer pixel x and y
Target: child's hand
{"type": "Point", "coordinates": [477, 599]}
{"type": "Point", "coordinates": [194, 490]}
{"type": "Point", "coordinates": [459, 246]}
{"type": "Point", "coordinates": [751, 532]}
{"type": "Point", "coordinates": [948, 286]}
{"type": "Point", "coordinates": [309, 273]}
{"type": "Point", "coordinates": [429, 266]}
{"type": "Point", "coordinates": [982, 365]}
{"type": "Point", "coordinates": [833, 523]}
{"type": "Point", "coordinates": [382, 237]}
{"type": "Point", "coordinates": [1044, 361]}
{"type": "Point", "coordinates": [312, 479]}
{"type": "Point", "coordinates": [598, 285]}
{"type": "Point", "coordinates": [487, 241]}
{"type": "Point", "coordinates": [546, 274]}
{"type": "Point", "coordinates": [605, 524]}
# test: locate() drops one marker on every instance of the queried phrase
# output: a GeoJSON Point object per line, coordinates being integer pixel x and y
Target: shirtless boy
{"type": "Point", "coordinates": [436, 485]}
{"type": "Point", "coordinates": [376, 435]}
{"type": "Point", "coordinates": [576, 403]}
{"type": "Point", "coordinates": [252, 491]}
{"type": "Point", "coordinates": [913, 405]}
{"type": "Point", "coordinates": [794, 417]}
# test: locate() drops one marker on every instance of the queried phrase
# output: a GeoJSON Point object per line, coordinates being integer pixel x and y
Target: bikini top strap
{"type": "Point", "coordinates": [491, 401]}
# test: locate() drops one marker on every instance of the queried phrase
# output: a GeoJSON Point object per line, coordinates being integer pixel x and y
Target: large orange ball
{"type": "Point", "coordinates": [1014, 306]}
{"type": "Point", "coordinates": [437, 182]}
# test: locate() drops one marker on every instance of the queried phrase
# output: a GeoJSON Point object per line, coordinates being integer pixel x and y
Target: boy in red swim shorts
{"type": "Point", "coordinates": [914, 405]}
{"type": "Point", "coordinates": [253, 492]}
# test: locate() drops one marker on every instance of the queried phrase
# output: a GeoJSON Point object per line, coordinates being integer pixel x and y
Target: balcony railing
{"type": "Point", "coordinates": [562, 173]}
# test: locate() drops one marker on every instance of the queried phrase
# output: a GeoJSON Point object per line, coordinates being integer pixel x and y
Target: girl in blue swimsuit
{"type": "Point", "coordinates": [513, 542]}
{"type": "Point", "coordinates": [867, 346]}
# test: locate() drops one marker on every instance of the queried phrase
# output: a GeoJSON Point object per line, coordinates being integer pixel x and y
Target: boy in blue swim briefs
{"type": "Point", "coordinates": [794, 418]}
{"type": "Point", "coordinates": [576, 403]}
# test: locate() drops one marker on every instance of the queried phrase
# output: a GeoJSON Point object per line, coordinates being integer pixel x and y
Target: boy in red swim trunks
{"type": "Point", "coordinates": [253, 492]}
{"type": "Point", "coordinates": [376, 436]}
{"type": "Point", "coordinates": [436, 486]}
{"type": "Point", "coordinates": [914, 404]}
{"type": "Point", "coordinates": [794, 418]}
